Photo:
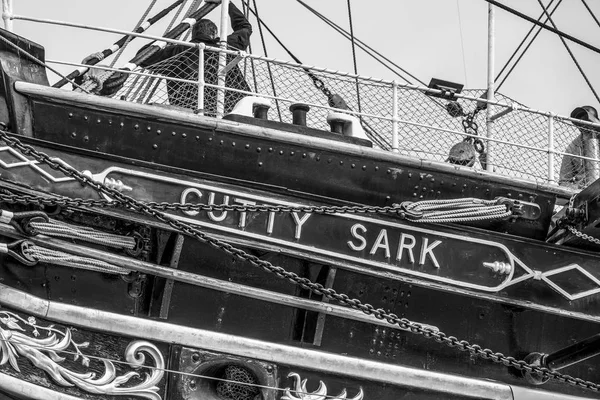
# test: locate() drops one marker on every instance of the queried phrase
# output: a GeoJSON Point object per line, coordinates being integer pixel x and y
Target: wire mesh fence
{"type": "Point", "coordinates": [524, 145]}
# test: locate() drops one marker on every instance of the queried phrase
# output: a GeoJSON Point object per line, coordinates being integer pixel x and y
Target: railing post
{"type": "Point", "coordinates": [201, 82]}
{"type": "Point", "coordinates": [395, 144]}
{"type": "Point", "coordinates": [490, 88]}
{"type": "Point", "coordinates": [7, 14]}
{"type": "Point", "coordinates": [551, 178]}
{"type": "Point", "coordinates": [222, 58]}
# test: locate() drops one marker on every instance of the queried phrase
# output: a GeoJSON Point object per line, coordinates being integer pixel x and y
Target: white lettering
{"type": "Point", "coordinates": [354, 231]}
{"type": "Point", "coordinates": [299, 222]}
{"type": "Point", "coordinates": [425, 250]}
{"type": "Point", "coordinates": [184, 196]}
{"type": "Point", "coordinates": [211, 214]}
{"type": "Point", "coordinates": [408, 246]}
{"type": "Point", "coordinates": [381, 243]}
{"type": "Point", "coordinates": [242, 223]}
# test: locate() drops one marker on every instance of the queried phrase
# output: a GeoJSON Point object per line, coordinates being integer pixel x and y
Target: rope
{"type": "Point", "coordinates": [456, 210]}
{"type": "Point", "coordinates": [571, 54]}
{"type": "Point", "coordinates": [57, 229]}
{"type": "Point", "coordinates": [94, 59]}
{"type": "Point", "coordinates": [521, 44]}
{"type": "Point", "coordinates": [193, 7]}
{"type": "Point", "coordinates": [591, 12]}
{"type": "Point", "coordinates": [264, 46]}
{"type": "Point", "coordinates": [280, 272]}
{"type": "Point", "coordinates": [354, 54]}
{"type": "Point", "coordinates": [462, 41]}
{"type": "Point", "coordinates": [363, 45]}
{"type": "Point", "coordinates": [544, 26]}
{"type": "Point", "coordinates": [129, 38]}
{"type": "Point", "coordinates": [54, 257]}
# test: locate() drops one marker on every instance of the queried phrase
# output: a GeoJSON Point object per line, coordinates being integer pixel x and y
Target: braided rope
{"type": "Point", "coordinates": [55, 257]}
{"type": "Point", "coordinates": [57, 229]}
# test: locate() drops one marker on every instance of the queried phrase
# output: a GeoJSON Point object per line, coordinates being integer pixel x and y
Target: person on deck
{"type": "Point", "coordinates": [573, 172]}
{"type": "Point", "coordinates": [179, 61]}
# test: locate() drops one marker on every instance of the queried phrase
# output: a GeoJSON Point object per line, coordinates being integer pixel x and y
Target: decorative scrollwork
{"type": "Point", "coordinates": [42, 351]}
{"type": "Point", "coordinates": [301, 393]}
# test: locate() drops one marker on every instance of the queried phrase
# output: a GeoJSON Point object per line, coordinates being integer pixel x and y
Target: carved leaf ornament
{"type": "Point", "coordinates": [301, 393]}
{"type": "Point", "coordinates": [43, 352]}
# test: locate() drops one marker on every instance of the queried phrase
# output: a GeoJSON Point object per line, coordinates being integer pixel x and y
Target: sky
{"type": "Point", "coordinates": [446, 39]}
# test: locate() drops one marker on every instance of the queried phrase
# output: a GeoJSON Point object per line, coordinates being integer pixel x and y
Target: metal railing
{"type": "Point", "coordinates": [407, 119]}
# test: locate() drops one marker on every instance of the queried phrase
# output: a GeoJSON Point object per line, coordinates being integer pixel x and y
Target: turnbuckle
{"type": "Point", "coordinates": [21, 221]}
{"type": "Point", "coordinates": [17, 250]}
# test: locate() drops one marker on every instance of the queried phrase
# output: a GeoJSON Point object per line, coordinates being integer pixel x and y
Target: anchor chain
{"type": "Point", "coordinates": [305, 283]}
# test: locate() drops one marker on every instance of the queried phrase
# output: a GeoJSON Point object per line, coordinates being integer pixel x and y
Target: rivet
{"type": "Point", "coordinates": [281, 152]}
{"type": "Point", "coordinates": [387, 197]}
{"type": "Point", "coordinates": [86, 138]}
{"type": "Point", "coordinates": [410, 174]}
{"type": "Point", "coordinates": [136, 127]}
{"type": "Point", "coordinates": [195, 357]}
{"type": "Point", "coordinates": [98, 120]}
{"type": "Point", "coordinates": [292, 153]}
{"type": "Point", "coordinates": [258, 149]}
{"type": "Point", "coordinates": [173, 133]}
{"type": "Point", "coordinates": [414, 195]}
{"type": "Point", "coordinates": [122, 124]}
{"type": "Point", "coordinates": [221, 142]}
{"type": "Point", "coordinates": [85, 117]}
{"type": "Point", "coordinates": [389, 171]}
{"type": "Point", "coordinates": [197, 138]}
{"type": "Point", "coordinates": [73, 134]}
{"type": "Point", "coordinates": [210, 139]}
{"type": "Point", "coordinates": [232, 144]}
{"type": "Point", "coordinates": [260, 164]}
{"type": "Point", "coordinates": [353, 166]}
{"type": "Point", "coordinates": [110, 122]}
{"type": "Point", "coordinates": [318, 158]}
{"type": "Point", "coordinates": [432, 179]}
{"type": "Point", "coordinates": [247, 146]}
{"type": "Point", "coordinates": [364, 167]}
{"type": "Point", "coordinates": [155, 146]}
{"type": "Point", "coordinates": [184, 135]}
{"type": "Point", "coordinates": [270, 149]}
{"type": "Point", "coordinates": [329, 161]}
{"type": "Point", "coordinates": [376, 168]}
{"type": "Point", "coordinates": [303, 155]}
{"type": "Point", "coordinates": [148, 128]}
{"type": "Point", "coordinates": [158, 132]}
{"type": "Point", "coordinates": [70, 115]}
{"type": "Point", "coordinates": [509, 195]}
{"type": "Point", "coordinates": [341, 162]}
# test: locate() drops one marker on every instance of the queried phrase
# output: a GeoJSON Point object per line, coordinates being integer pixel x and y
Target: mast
{"type": "Point", "coordinates": [490, 85]}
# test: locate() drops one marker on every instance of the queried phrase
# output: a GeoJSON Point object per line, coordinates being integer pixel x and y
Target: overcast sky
{"type": "Point", "coordinates": [422, 36]}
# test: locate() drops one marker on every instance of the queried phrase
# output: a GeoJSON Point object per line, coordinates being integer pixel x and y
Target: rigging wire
{"type": "Point", "coordinates": [264, 46]}
{"type": "Point", "coordinates": [129, 38]}
{"type": "Point", "coordinates": [462, 41]}
{"type": "Point", "coordinates": [354, 55]}
{"type": "Point", "coordinates": [571, 54]}
{"type": "Point", "coordinates": [544, 26]}
{"type": "Point", "coordinates": [539, 29]}
{"type": "Point", "coordinates": [591, 12]}
{"type": "Point", "coordinates": [360, 43]}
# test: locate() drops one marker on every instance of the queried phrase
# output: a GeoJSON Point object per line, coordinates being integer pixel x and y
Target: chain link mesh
{"type": "Point", "coordinates": [425, 130]}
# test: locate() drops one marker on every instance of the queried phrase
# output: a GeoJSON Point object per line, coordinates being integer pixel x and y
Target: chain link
{"type": "Point", "coordinates": [582, 235]}
{"type": "Point", "coordinates": [472, 128]}
{"type": "Point", "coordinates": [305, 283]}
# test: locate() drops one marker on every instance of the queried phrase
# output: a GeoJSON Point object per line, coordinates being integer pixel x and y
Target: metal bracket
{"type": "Point", "coordinates": [501, 114]}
